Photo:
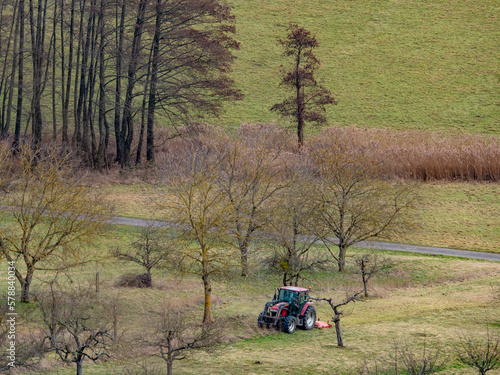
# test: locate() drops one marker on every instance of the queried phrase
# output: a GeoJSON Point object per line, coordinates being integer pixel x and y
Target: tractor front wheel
{"type": "Point", "coordinates": [309, 318]}
{"type": "Point", "coordinates": [289, 324]}
{"type": "Point", "coordinates": [260, 320]}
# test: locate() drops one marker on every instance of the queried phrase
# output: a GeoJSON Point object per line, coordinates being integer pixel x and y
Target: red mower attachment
{"type": "Point", "coordinates": [320, 324]}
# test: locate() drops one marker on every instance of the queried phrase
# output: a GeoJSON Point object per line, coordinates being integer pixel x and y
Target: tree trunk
{"type": "Point", "coordinates": [336, 320]}
{"type": "Point", "coordinates": [7, 90]}
{"type": "Point", "coordinates": [67, 90]}
{"type": "Point", "coordinates": [127, 130]}
{"type": "Point", "coordinates": [207, 312]}
{"type": "Point", "coordinates": [20, 81]}
{"type": "Point", "coordinates": [102, 149]}
{"type": "Point", "coordinates": [150, 151]}
{"type": "Point", "coordinates": [170, 362]}
{"type": "Point", "coordinates": [6, 126]}
{"type": "Point", "coordinates": [143, 119]}
{"type": "Point", "coordinates": [82, 113]}
{"type": "Point", "coordinates": [92, 77]}
{"type": "Point", "coordinates": [76, 90]}
{"type": "Point", "coordinates": [117, 120]}
{"type": "Point", "coordinates": [244, 258]}
{"type": "Point", "coordinates": [341, 258]}
{"type": "Point", "coordinates": [300, 131]}
{"type": "Point", "coordinates": [25, 286]}
{"type": "Point", "coordinates": [37, 42]}
{"type": "Point", "coordinates": [79, 367]}
{"type": "Point", "coordinates": [363, 275]}
{"type": "Point", "coordinates": [54, 41]}
{"type": "Point", "coordinates": [299, 103]}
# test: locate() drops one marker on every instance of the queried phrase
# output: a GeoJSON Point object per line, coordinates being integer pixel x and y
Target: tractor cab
{"type": "Point", "coordinates": [295, 297]}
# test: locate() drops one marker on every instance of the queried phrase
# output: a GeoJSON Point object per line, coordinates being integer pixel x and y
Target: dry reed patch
{"type": "Point", "coordinates": [423, 155]}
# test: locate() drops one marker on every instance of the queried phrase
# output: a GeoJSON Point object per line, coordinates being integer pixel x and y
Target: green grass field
{"type": "Point", "coordinates": [397, 64]}
{"type": "Point", "coordinates": [420, 298]}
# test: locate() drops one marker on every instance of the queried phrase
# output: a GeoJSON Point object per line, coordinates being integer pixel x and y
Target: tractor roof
{"type": "Point", "coordinates": [294, 288]}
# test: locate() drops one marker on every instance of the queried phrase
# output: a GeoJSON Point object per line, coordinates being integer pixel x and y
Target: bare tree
{"type": "Point", "coordinates": [405, 360]}
{"type": "Point", "coordinates": [151, 249]}
{"type": "Point", "coordinates": [308, 100]}
{"type": "Point", "coordinates": [429, 362]}
{"type": "Point", "coordinates": [53, 214]}
{"type": "Point", "coordinates": [77, 326]}
{"type": "Point", "coordinates": [198, 208]}
{"type": "Point", "coordinates": [174, 337]}
{"type": "Point", "coordinates": [127, 126]}
{"type": "Point", "coordinates": [79, 53]}
{"type": "Point", "coordinates": [480, 354]}
{"type": "Point", "coordinates": [338, 313]}
{"type": "Point", "coordinates": [27, 350]}
{"type": "Point", "coordinates": [192, 47]}
{"type": "Point", "coordinates": [288, 233]}
{"type": "Point", "coordinates": [369, 265]}
{"type": "Point", "coordinates": [144, 368]}
{"type": "Point", "coordinates": [252, 174]}
{"type": "Point", "coordinates": [354, 201]}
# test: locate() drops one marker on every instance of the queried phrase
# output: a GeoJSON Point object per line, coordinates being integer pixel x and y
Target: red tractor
{"type": "Point", "coordinates": [289, 309]}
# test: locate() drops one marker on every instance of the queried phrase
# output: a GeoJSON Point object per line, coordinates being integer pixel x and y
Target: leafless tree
{"type": "Point", "coordinates": [405, 360]}
{"type": "Point", "coordinates": [152, 248]}
{"type": "Point", "coordinates": [144, 368]}
{"type": "Point", "coordinates": [354, 201]}
{"type": "Point", "coordinates": [369, 265]}
{"type": "Point", "coordinates": [77, 326]}
{"type": "Point", "coordinates": [481, 354]}
{"type": "Point", "coordinates": [54, 212]}
{"type": "Point", "coordinates": [338, 312]}
{"type": "Point", "coordinates": [27, 350]}
{"type": "Point", "coordinates": [252, 175]}
{"type": "Point", "coordinates": [429, 362]}
{"type": "Point", "coordinates": [198, 209]}
{"type": "Point", "coordinates": [288, 233]}
{"type": "Point", "coordinates": [91, 52]}
{"type": "Point", "coordinates": [174, 337]}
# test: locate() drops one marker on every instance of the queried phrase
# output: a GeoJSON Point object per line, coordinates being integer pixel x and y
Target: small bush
{"type": "Point", "coordinates": [135, 281]}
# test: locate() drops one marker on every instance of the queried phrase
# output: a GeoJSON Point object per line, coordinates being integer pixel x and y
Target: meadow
{"type": "Point", "coordinates": [394, 64]}
{"type": "Point", "coordinates": [421, 300]}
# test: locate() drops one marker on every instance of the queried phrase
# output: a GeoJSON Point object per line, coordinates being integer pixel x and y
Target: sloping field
{"type": "Point", "coordinates": [419, 300]}
{"type": "Point", "coordinates": [390, 63]}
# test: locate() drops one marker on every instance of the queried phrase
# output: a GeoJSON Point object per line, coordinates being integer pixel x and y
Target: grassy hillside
{"type": "Point", "coordinates": [400, 64]}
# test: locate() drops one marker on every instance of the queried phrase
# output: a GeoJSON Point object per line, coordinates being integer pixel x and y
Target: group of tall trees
{"type": "Point", "coordinates": [91, 68]}
{"type": "Point", "coordinates": [224, 193]}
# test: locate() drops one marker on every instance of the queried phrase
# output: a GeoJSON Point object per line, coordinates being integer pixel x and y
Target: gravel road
{"type": "Point", "coordinates": [364, 244]}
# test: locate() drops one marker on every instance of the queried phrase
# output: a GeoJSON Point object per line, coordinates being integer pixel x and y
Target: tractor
{"type": "Point", "coordinates": [289, 309]}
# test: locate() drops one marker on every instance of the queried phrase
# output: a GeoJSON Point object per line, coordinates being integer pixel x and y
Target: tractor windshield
{"type": "Point", "coordinates": [287, 295]}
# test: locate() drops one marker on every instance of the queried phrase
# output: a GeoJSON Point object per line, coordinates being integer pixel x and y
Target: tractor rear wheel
{"type": "Point", "coordinates": [309, 318]}
{"type": "Point", "coordinates": [289, 324]}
